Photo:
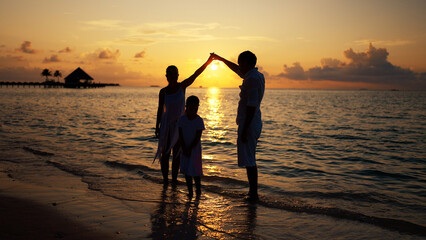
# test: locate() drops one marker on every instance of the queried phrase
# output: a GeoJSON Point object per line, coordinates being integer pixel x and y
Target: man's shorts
{"type": "Point", "coordinates": [247, 150]}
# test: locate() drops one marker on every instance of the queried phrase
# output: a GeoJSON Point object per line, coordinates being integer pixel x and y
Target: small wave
{"type": "Point", "coordinates": [389, 223]}
{"type": "Point", "coordinates": [37, 152]}
{"type": "Point", "coordinates": [347, 137]}
{"type": "Point", "coordinates": [399, 142]}
{"type": "Point", "coordinates": [381, 174]}
{"type": "Point", "coordinates": [73, 170]}
{"type": "Point", "coordinates": [387, 117]}
{"type": "Point", "coordinates": [308, 135]}
{"type": "Point", "coordinates": [333, 127]}
{"type": "Point", "coordinates": [210, 143]}
{"type": "Point", "coordinates": [409, 160]}
{"type": "Point", "coordinates": [297, 172]}
{"type": "Point", "coordinates": [146, 138]}
{"type": "Point", "coordinates": [359, 159]}
{"type": "Point", "coordinates": [224, 180]}
{"type": "Point", "coordinates": [129, 167]}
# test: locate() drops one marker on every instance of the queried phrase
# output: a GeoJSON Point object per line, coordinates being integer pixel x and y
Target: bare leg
{"type": "Point", "coordinates": [175, 163]}
{"type": "Point", "coordinates": [164, 161]}
{"type": "Point", "coordinates": [252, 178]}
{"type": "Point", "coordinates": [189, 185]}
{"type": "Point", "coordinates": [198, 185]}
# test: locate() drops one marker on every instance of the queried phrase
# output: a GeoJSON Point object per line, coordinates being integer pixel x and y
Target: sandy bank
{"type": "Point", "coordinates": [25, 219]}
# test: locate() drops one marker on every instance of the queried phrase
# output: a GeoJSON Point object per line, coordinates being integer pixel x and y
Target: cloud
{"type": "Point", "coordinates": [295, 72]}
{"type": "Point", "coordinates": [26, 48]}
{"type": "Point", "coordinates": [178, 31]}
{"type": "Point", "coordinates": [105, 24]}
{"type": "Point", "coordinates": [389, 43]}
{"type": "Point", "coordinates": [150, 33]}
{"type": "Point", "coordinates": [136, 41]}
{"type": "Point", "coordinates": [53, 58]}
{"type": "Point", "coordinates": [256, 38]}
{"type": "Point", "coordinates": [107, 54]}
{"type": "Point", "coordinates": [140, 54]}
{"type": "Point", "coordinates": [370, 66]}
{"type": "Point", "coordinates": [65, 50]}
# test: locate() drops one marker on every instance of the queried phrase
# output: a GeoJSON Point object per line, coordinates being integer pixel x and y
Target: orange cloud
{"type": "Point", "coordinates": [53, 58]}
{"type": "Point", "coordinates": [369, 67]}
{"type": "Point", "coordinates": [65, 50]}
{"type": "Point", "coordinates": [140, 54]}
{"type": "Point", "coordinates": [109, 54]}
{"type": "Point", "coordinates": [26, 48]}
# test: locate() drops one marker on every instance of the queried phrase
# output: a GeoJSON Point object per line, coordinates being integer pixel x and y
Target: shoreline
{"type": "Point", "coordinates": [146, 209]}
{"type": "Point", "coordinates": [72, 211]}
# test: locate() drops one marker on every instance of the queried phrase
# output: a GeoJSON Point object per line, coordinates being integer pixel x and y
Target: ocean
{"type": "Point", "coordinates": [350, 155]}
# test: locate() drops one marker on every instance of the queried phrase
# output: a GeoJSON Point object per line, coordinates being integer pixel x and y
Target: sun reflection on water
{"type": "Point", "coordinates": [212, 169]}
{"type": "Point", "coordinates": [215, 129]}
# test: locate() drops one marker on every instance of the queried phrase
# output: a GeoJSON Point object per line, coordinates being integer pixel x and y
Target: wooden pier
{"type": "Point", "coordinates": [55, 85]}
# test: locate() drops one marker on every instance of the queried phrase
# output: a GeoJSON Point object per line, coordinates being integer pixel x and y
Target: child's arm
{"type": "Point", "coordinates": [187, 82]}
{"type": "Point", "coordinates": [159, 112]}
{"type": "Point", "coordinates": [182, 142]}
{"type": "Point", "coordinates": [197, 139]}
{"type": "Point", "coordinates": [234, 67]}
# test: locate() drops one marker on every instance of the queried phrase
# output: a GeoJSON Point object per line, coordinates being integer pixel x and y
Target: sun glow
{"type": "Point", "coordinates": [214, 116]}
{"type": "Point", "coordinates": [213, 67]}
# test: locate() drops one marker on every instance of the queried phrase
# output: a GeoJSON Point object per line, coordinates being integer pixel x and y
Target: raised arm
{"type": "Point", "coordinates": [187, 82]}
{"type": "Point", "coordinates": [234, 67]}
{"type": "Point", "coordinates": [159, 112]}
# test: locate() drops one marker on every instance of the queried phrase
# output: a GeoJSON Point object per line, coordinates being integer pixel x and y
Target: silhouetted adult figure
{"type": "Point", "coordinates": [249, 116]}
{"type": "Point", "coordinates": [171, 105]}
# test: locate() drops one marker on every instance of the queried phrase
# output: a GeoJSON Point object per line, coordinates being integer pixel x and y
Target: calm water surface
{"type": "Point", "coordinates": [358, 155]}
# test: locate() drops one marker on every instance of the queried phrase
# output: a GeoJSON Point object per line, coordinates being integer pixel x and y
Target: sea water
{"type": "Point", "coordinates": [355, 155]}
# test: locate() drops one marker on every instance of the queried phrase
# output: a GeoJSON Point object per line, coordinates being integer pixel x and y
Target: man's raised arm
{"type": "Point", "coordinates": [234, 67]}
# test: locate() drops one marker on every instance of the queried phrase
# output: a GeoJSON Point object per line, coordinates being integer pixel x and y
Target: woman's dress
{"type": "Point", "coordinates": [173, 108]}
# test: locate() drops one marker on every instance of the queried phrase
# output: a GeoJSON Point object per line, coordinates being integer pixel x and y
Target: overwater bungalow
{"type": "Point", "coordinates": [78, 78]}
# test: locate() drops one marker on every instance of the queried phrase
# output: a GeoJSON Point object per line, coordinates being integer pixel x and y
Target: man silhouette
{"type": "Point", "coordinates": [249, 116]}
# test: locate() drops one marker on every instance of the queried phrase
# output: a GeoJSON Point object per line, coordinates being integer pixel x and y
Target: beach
{"type": "Point", "coordinates": [23, 219]}
{"type": "Point", "coordinates": [60, 206]}
{"type": "Point", "coordinates": [64, 210]}
{"type": "Point", "coordinates": [82, 160]}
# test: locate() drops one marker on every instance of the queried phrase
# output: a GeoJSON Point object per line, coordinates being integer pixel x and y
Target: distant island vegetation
{"type": "Point", "coordinates": [77, 79]}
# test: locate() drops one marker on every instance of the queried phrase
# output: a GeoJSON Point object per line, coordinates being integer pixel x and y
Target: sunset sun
{"type": "Point", "coordinates": [213, 67]}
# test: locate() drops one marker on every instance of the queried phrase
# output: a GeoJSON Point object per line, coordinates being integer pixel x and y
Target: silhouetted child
{"type": "Point", "coordinates": [191, 127]}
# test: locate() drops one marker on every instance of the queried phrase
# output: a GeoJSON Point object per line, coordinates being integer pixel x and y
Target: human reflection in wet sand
{"type": "Point", "coordinates": [174, 219]}
{"type": "Point", "coordinates": [211, 217]}
{"type": "Point", "coordinates": [251, 221]}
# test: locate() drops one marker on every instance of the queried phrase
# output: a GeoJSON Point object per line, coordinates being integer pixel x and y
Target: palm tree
{"type": "Point", "coordinates": [57, 74]}
{"type": "Point", "coordinates": [46, 73]}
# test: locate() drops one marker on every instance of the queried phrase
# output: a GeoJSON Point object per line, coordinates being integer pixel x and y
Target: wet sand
{"type": "Point", "coordinates": [66, 210]}
{"type": "Point", "coordinates": [25, 219]}
{"type": "Point", "coordinates": [61, 206]}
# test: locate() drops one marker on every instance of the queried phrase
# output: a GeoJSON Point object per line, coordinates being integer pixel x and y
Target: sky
{"type": "Point", "coordinates": [306, 44]}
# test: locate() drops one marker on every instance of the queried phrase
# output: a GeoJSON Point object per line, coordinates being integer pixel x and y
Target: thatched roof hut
{"type": "Point", "coordinates": [76, 76]}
